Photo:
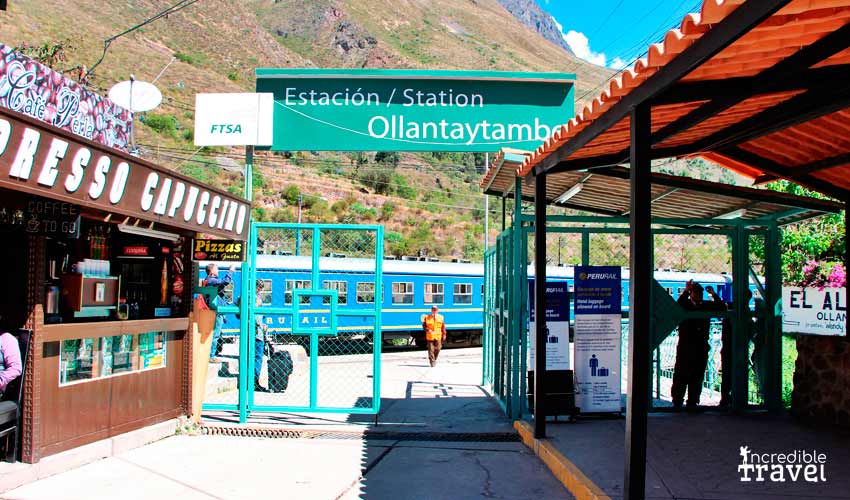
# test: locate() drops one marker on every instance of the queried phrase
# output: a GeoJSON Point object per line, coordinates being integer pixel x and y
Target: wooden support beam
{"type": "Point", "coordinates": [820, 165]}
{"type": "Point", "coordinates": [540, 403]}
{"type": "Point", "coordinates": [706, 90]}
{"type": "Point", "coordinates": [768, 80]}
{"type": "Point", "coordinates": [774, 168]}
{"type": "Point", "coordinates": [640, 305]}
{"type": "Point", "coordinates": [739, 22]}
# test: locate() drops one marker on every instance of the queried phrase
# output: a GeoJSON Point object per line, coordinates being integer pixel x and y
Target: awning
{"type": "Point", "coordinates": [760, 87]}
{"type": "Point", "coordinates": [605, 191]}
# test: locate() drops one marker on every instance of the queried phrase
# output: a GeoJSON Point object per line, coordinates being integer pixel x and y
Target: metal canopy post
{"type": "Point", "coordinates": [772, 379]}
{"type": "Point", "coordinates": [245, 397]}
{"type": "Point", "coordinates": [640, 306]}
{"type": "Point", "coordinates": [741, 318]}
{"type": "Point", "coordinates": [540, 306]}
{"type": "Point", "coordinates": [515, 336]}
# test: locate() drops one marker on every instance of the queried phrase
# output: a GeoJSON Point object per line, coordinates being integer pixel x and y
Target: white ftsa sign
{"type": "Point", "coordinates": [234, 119]}
{"type": "Point", "coordinates": [814, 311]}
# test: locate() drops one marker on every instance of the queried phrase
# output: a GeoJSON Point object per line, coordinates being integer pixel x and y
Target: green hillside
{"type": "Point", "coordinates": [429, 203]}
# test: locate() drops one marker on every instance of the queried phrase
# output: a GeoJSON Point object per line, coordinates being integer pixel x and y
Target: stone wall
{"type": "Point", "coordinates": [822, 380]}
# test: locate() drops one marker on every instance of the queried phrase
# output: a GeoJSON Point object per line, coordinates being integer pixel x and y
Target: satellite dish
{"type": "Point", "coordinates": [135, 96]}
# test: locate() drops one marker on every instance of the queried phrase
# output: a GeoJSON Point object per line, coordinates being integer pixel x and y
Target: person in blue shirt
{"type": "Point", "coordinates": [214, 280]}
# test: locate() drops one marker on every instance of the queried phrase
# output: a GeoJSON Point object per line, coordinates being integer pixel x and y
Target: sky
{"type": "Point", "coordinates": [613, 33]}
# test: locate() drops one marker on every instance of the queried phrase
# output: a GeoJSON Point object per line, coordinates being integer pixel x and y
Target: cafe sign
{"type": "Point", "coordinates": [43, 160]}
{"type": "Point", "coordinates": [34, 89]}
{"type": "Point", "coordinates": [410, 110]}
{"type": "Point", "coordinates": [814, 311]}
{"type": "Point", "coordinates": [218, 250]}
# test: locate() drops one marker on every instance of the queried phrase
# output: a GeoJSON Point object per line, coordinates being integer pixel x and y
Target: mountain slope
{"type": "Point", "coordinates": [531, 15]}
{"type": "Point", "coordinates": [215, 45]}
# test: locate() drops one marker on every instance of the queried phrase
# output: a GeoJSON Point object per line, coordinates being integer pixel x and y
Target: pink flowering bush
{"type": "Point", "coordinates": [822, 275]}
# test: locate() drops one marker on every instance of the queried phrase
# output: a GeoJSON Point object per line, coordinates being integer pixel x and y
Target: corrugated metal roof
{"type": "Point", "coordinates": [778, 123]}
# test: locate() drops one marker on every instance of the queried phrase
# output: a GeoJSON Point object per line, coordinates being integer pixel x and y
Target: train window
{"type": "Point", "coordinates": [365, 292]}
{"type": "Point", "coordinates": [463, 293]}
{"type": "Point", "coordinates": [342, 292]}
{"type": "Point", "coordinates": [266, 293]}
{"type": "Point", "coordinates": [402, 293]}
{"type": "Point", "coordinates": [293, 284]}
{"type": "Point", "coordinates": [434, 293]}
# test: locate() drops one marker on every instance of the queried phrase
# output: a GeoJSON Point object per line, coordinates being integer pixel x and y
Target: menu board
{"type": "Point", "coordinates": [36, 215]}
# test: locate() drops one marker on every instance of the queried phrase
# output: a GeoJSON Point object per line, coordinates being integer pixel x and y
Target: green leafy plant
{"type": "Point", "coordinates": [162, 123]}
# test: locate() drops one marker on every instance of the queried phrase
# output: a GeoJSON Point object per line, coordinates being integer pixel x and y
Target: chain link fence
{"type": "Point", "coordinates": [314, 342]}
{"type": "Point", "coordinates": [680, 254]}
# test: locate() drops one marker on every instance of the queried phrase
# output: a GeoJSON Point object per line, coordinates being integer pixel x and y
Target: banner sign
{"type": "Point", "coordinates": [597, 337]}
{"type": "Point", "coordinates": [814, 311]}
{"type": "Point", "coordinates": [557, 326]}
{"type": "Point", "coordinates": [35, 90]}
{"type": "Point", "coordinates": [39, 159]}
{"type": "Point", "coordinates": [233, 119]}
{"type": "Point", "coordinates": [218, 250]}
{"type": "Point", "coordinates": [410, 110]}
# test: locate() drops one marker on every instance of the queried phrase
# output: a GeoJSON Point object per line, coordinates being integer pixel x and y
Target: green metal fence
{"type": "Point", "coordinates": [307, 350]}
{"type": "Point", "coordinates": [696, 246]}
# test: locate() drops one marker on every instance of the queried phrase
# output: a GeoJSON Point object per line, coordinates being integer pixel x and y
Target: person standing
{"type": "Point", "coordinates": [693, 347]}
{"type": "Point", "coordinates": [212, 279]}
{"type": "Point", "coordinates": [435, 334]}
{"type": "Point", "coordinates": [260, 330]}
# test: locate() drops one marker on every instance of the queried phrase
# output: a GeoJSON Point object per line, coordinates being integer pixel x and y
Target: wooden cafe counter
{"type": "Point", "coordinates": [95, 246]}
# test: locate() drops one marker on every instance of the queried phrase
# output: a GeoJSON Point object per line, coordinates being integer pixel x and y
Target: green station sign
{"type": "Point", "coordinates": [413, 110]}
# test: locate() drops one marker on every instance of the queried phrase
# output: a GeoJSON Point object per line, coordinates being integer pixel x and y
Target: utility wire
{"type": "Point", "coordinates": [182, 4]}
{"type": "Point", "coordinates": [607, 18]}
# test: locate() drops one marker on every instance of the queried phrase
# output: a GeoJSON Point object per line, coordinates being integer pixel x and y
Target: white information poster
{"type": "Point", "coordinates": [598, 338]}
{"type": "Point", "coordinates": [557, 327]}
{"type": "Point", "coordinates": [814, 311]}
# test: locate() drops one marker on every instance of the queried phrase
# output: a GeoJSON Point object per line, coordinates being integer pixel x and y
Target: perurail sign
{"type": "Point", "coordinates": [413, 110]}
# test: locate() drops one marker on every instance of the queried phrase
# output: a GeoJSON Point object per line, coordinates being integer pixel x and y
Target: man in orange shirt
{"type": "Point", "coordinates": [435, 334]}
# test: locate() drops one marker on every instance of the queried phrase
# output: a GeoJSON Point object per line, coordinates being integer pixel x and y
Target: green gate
{"type": "Point", "coordinates": [319, 342]}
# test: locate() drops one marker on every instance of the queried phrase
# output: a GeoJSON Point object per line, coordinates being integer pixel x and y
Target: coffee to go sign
{"type": "Point", "coordinates": [44, 160]}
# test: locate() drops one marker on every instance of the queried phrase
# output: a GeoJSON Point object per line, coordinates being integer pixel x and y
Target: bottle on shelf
{"type": "Point", "coordinates": [123, 309]}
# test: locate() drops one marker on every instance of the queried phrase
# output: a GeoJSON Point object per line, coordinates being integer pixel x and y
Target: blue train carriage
{"type": "Point", "coordinates": [409, 289]}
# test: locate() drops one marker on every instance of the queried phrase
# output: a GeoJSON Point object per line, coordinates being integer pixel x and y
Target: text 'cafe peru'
{"type": "Point", "coordinates": [98, 271]}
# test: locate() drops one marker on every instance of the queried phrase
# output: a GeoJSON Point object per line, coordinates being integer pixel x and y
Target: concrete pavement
{"type": "Point", "coordinates": [409, 455]}
{"type": "Point", "coordinates": [697, 456]}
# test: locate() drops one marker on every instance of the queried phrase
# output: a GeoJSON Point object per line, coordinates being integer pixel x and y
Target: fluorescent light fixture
{"type": "Point", "coordinates": [734, 214]}
{"type": "Point", "coordinates": [150, 233]}
{"type": "Point", "coordinates": [569, 193]}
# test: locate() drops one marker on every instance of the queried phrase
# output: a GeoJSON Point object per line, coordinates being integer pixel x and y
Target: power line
{"type": "Point", "coordinates": [182, 4]}
{"type": "Point", "coordinates": [607, 18]}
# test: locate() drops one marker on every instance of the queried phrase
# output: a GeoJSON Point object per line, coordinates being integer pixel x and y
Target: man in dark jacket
{"type": "Point", "coordinates": [213, 279]}
{"type": "Point", "coordinates": [693, 347]}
